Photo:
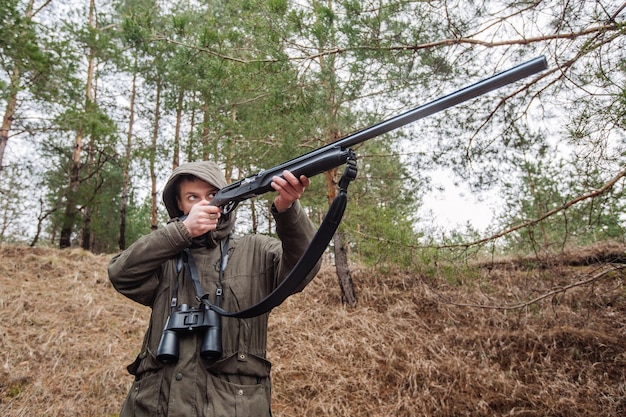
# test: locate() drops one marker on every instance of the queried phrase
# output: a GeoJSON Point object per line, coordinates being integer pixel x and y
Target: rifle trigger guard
{"type": "Point", "coordinates": [229, 207]}
{"type": "Point", "coordinates": [349, 174]}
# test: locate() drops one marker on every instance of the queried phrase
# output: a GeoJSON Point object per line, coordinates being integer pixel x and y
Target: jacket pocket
{"type": "Point", "coordinates": [241, 364]}
{"type": "Point", "coordinates": [236, 400]}
{"type": "Point", "coordinates": [144, 397]}
{"type": "Point", "coordinates": [148, 364]}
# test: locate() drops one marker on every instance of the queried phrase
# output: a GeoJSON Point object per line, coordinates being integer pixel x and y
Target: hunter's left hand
{"type": "Point", "coordinates": [289, 189]}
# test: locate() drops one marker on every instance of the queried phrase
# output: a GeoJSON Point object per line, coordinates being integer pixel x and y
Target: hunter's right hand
{"type": "Point", "coordinates": [202, 218]}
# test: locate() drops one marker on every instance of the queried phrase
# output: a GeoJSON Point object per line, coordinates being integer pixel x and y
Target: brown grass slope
{"type": "Point", "coordinates": [412, 347]}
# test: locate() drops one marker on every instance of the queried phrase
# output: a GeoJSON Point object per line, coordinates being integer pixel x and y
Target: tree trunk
{"type": "Point", "coordinates": [206, 133]}
{"type": "Point", "coordinates": [192, 129]}
{"type": "Point", "coordinates": [43, 215]}
{"type": "Point", "coordinates": [14, 87]}
{"type": "Point", "coordinates": [127, 159]}
{"type": "Point", "coordinates": [69, 218]}
{"type": "Point", "coordinates": [9, 112]}
{"type": "Point", "coordinates": [254, 217]}
{"type": "Point", "coordinates": [179, 118]}
{"type": "Point", "coordinates": [348, 295]}
{"type": "Point", "coordinates": [153, 178]}
{"type": "Point", "coordinates": [87, 210]}
{"type": "Point", "coordinates": [86, 238]}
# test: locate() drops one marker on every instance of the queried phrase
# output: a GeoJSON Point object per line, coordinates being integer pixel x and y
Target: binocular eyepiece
{"type": "Point", "coordinates": [191, 320]}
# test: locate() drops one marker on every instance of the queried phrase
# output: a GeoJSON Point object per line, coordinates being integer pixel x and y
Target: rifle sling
{"type": "Point", "coordinates": [310, 257]}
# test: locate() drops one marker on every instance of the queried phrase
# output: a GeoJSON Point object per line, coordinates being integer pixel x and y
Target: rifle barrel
{"type": "Point", "coordinates": [472, 91]}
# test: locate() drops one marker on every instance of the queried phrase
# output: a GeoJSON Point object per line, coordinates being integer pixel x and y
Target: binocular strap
{"type": "Point", "coordinates": [186, 260]}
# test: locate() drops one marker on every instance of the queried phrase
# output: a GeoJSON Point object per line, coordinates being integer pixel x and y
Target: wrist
{"type": "Point", "coordinates": [281, 207]}
{"type": "Point", "coordinates": [277, 208]}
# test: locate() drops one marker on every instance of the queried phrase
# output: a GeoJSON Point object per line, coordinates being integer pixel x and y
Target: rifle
{"type": "Point", "coordinates": [331, 156]}
{"type": "Point", "coordinates": [338, 153]}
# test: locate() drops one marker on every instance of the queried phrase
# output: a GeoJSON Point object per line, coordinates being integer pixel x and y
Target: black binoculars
{"type": "Point", "coordinates": [191, 320]}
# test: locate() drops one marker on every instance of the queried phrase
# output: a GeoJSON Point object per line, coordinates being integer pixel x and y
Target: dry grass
{"type": "Point", "coordinates": [408, 349]}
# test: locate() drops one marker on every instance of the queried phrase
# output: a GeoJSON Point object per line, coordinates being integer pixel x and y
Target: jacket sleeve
{"type": "Point", "coordinates": [295, 230]}
{"type": "Point", "coordinates": [136, 271]}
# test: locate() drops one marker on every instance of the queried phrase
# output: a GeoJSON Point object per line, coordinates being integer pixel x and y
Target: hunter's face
{"type": "Point", "coordinates": [193, 191]}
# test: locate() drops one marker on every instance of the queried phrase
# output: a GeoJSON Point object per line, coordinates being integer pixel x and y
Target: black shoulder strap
{"type": "Point", "coordinates": [310, 257]}
{"type": "Point", "coordinates": [187, 261]}
{"type": "Point", "coordinates": [192, 269]}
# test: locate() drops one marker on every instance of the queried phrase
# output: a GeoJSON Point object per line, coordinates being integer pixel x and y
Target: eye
{"type": "Point", "coordinates": [210, 196]}
{"type": "Point", "coordinates": [192, 197]}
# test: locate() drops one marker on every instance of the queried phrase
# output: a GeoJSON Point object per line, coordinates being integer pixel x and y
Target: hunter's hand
{"type": "Point", "coordinates": [289, 189]}
{"type": "Point", "coordinates": [202, 218]}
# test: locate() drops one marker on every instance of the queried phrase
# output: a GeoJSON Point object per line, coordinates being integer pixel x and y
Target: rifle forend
{"type": "Point", "coordinates": [337, 153]}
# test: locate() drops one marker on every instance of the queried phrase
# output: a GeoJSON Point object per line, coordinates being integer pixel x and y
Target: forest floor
{"type": "Point", "coordinates": [512, 337]}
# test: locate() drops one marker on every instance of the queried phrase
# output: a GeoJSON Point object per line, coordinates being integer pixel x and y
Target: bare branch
{"type": "Point", "coordinates": [40, 8]}
{"type": "Point", "coordinates": [521, 41]}
{"type": "Point", "coordinates": [559, 290]}
{"type": "Point", "coordinates": [605, 188]}
{"type": "Point", "coordinates": [444, 42]}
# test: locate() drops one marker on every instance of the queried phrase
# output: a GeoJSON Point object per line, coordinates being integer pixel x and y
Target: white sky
{"type": "Point", "coordinates": [455, 206]}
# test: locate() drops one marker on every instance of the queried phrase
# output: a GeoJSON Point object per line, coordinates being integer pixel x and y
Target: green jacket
{"type": "Point", "coordinates": [237, 384]}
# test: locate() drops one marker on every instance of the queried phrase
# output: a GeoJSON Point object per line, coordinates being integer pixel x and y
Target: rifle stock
{"type": "Point", "coordinates": [337, 153]}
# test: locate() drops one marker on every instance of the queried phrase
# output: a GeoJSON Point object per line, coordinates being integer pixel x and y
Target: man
{"type": "Point", "coordinates": [157, 271]}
